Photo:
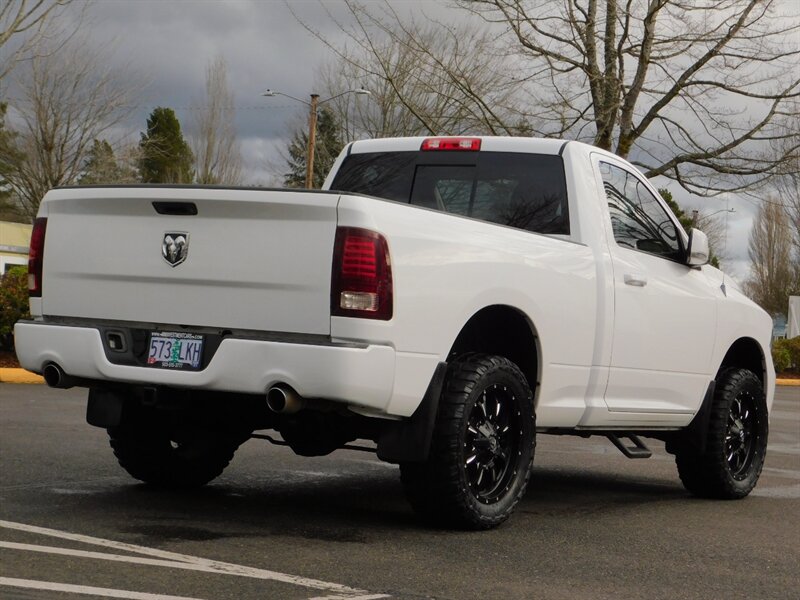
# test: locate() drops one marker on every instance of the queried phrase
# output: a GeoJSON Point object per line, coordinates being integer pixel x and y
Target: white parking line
{"type": "Point", "coordinates": [180, 561]}
{"type": "Point", "coordinates": [32, 584]}
{"type": "Point", "coordinates": [136, 560]}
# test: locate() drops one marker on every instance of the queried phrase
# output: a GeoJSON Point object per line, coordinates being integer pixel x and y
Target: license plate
{"type": "Point", "coordinates": [170, 350]}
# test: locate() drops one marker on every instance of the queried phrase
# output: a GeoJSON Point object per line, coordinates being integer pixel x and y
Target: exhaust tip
{"type": "Point", "coordinates": [276, 399]}
{"type": "Point", "coordinates": [53, 375]}
{"type": "Point", "coordinates": [283, 399]}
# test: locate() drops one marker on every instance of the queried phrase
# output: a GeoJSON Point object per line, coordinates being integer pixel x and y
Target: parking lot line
{"type": "Point", "coordinates": [50, 586]}
{"type": "Point", "coordinates": [136, 560]}
{"type": "Point", "coordinates": [184, 561]}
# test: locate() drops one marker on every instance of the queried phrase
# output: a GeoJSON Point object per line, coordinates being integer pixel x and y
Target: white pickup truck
{"type": "Point", "coordinates": [446, 298]}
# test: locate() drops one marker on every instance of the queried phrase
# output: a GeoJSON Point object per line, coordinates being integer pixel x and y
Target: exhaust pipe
{"type": "Point", "coordinates": [55, 377]}
{"type": "Point", "coordinates": [283, 399]}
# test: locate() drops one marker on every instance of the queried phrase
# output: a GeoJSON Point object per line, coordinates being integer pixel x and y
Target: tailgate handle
{"type": "Point", "coordinates": [175, 208]}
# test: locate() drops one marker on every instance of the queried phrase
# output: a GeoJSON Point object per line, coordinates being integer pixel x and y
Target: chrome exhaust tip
{"type": "Point", "coordinates": [282, 399]}
{"type": "Point", "coordinates": [55, 377]}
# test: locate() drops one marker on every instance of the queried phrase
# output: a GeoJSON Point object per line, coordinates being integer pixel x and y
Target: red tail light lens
{"type": "Point", "coordinates": [36, 258]}
{"type": "Point", "coordinates": [361, 280]}
{"type": "Point", "coordinates": [451, 143]}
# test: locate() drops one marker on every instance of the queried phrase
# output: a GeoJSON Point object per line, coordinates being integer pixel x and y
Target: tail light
{"type": "Point", "coordinates": [361, 280]}
{"type": "Point", "coordinates": [36, 258]}
{"type": "Point", "coordinates": [451, 143]}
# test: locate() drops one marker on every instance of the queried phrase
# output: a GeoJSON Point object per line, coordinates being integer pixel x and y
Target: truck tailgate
{"type": "Point", "coordinates": [257, 259]}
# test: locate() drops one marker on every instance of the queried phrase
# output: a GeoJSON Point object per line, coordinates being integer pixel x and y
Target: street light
{"type": "Point", "coordinates": [312, 122]}
{"type": "Point", "coordinates": [696, 214]}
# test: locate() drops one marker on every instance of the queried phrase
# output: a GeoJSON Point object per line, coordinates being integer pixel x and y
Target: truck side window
{"type": "Point", "coordinates": [637, 218]}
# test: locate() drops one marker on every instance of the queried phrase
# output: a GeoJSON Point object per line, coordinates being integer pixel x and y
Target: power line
{"type": "Point", "coordinates": [12, 100]}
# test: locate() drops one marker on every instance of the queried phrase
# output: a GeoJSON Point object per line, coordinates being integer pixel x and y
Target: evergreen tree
{"type": "Point", "coordinates": [102, 167]}
{"type": "Point", "coordinates": [685, 220]}
{"type": "Point", "coordinates": [166, 157]}
{"type": "Point", "coordinates": [328, 145]}
{"type": "Point", "coordinates": [10, 158]}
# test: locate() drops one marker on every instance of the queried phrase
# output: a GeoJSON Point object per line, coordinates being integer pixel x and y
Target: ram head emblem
{"type": "Point", "coordinates": [175, 247]}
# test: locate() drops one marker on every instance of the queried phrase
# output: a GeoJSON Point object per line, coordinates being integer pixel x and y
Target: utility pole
{"type": "Point", "coordinates": [312, 141]}
{"type": "Point", "coordinates": [312, 123]}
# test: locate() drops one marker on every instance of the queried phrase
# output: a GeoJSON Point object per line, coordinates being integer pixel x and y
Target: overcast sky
{"type": "Point", "coordinates": [169, 42]}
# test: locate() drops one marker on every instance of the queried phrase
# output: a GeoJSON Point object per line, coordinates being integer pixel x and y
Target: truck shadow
{"type": "Point", "coordinates": [349, 507]}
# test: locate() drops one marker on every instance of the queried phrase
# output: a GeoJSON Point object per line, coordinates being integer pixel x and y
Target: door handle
{"type": "Point", "coordinates": [635, 279]}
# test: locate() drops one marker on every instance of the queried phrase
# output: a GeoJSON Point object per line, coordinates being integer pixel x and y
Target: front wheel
{"type": "Point", "coordinates": [736, 441]}
{"type": "Point", "coordinates": [482, 447]}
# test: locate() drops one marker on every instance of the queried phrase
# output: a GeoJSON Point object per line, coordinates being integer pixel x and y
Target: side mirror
{"type": "Point", "coordinates": [698, 252]}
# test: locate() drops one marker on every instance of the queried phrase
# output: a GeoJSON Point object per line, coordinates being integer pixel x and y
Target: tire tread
{"type": "Point", "coordinates": [434, 488]}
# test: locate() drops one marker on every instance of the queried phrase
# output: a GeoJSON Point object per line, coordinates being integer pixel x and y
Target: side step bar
{"type": "Point", "coordinates": [637, 450]}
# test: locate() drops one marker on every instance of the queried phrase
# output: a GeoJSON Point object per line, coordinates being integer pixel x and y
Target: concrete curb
{"type": "Point", "coordinates": [19, 376]}
{"type": "Point", "coordinates": [788, 382]}
{"type": "Point", "coordinates": [23, 376]}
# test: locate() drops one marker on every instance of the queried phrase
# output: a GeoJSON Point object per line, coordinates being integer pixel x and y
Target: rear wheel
{"type": "Point", "coordinates": [482, 449]}
{"type": "Point", "coordinates": [736, 441]}
{"type": "Point", "coordinates": [174, 457]}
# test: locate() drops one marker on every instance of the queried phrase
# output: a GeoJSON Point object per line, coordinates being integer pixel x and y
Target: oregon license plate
{"type": "Point", "coordinates": [170, 350]}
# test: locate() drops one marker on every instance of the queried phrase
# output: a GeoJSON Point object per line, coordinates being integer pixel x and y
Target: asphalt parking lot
{"type": "Point", "coordinates": [593, 524]}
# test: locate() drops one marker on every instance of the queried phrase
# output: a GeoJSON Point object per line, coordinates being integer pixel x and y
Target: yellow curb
{"type": "Point", "coordinates": [23, 376]}
{"type": "Point", "coordinates": [788, 382]}
{"type": "Point", "coordinates": [19, 376]}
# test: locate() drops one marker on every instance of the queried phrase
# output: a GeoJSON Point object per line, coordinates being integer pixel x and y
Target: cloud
{"type": "Point", "coordinates": [171, 42]}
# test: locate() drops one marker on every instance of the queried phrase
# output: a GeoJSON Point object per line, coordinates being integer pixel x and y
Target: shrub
{"type": "Point", "coordinates": [786, 354]}
{"type": "Point", "coordinates": [13, 303]}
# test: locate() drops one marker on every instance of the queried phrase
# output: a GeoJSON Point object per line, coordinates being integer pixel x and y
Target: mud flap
{"type": "Point", "coordinates": [410, 440]}
{"type": "Point", "coordinates": [104, 408]}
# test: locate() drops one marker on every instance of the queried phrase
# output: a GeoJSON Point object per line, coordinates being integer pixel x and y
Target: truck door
{"type": "Point", "coordinates": [664, 311]}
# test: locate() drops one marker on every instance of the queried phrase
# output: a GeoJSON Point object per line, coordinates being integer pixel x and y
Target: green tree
{"type": "Point", "coordinates": [13, 303]}
{"type": "Point", "coordinates": [328, 145]}
{"type": "Point", "coordinates": [166, 157]}
{"type": "Point", "coordinates": [10, 156]}
{"type": "Point", "coordinates": [686, 221]}
{"type": "Point", "coordinates": [102, 167]}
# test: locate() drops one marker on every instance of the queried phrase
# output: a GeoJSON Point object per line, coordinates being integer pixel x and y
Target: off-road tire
{"type": "Point", "coordinates": [447, 489]}
{"type": "Point", "coordinates": [178, 459]}
{"type": "Point", "coordinates": [736, 441]}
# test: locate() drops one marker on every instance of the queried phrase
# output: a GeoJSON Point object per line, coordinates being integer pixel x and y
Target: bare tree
{"type": "Point", "coordinates": [218, 156]}
{"type": "Point", "coordinates": [424, 79]}
{"type": "Point", "coordinates": [787, 186]}
{"type": "Point", "coordinates": [773, 275]}
{"type": "Point", "coordinates": [714, 225]}
{"type": "Point", "coordinates": [693, 91]}
{"type": "Point", "coordinates": [69, 99]}
{"type": "Point", "coordinates": [31, 21]}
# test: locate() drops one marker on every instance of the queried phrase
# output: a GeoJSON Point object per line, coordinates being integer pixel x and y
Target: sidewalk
{"type": "Point", "coordinates": [23, 376]}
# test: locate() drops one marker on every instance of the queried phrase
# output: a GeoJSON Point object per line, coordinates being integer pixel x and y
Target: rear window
{"type": "Point", "coordinates": [526, 191]}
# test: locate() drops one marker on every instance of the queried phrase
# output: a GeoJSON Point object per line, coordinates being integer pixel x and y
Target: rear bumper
{"type": "Point", "coordinates": [359, 376]}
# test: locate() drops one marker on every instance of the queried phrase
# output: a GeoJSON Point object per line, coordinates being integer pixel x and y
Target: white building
{"type": "Point", "coordinates": [14, 242]}
{"type": "Point", "coordinates": [793, 323]}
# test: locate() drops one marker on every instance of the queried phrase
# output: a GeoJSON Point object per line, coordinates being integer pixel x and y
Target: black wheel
{"type": "Point", "coordinates": [482, 447]}
{"type": "Point", "coordinates": [172, 457]}
{"type": "Point", "coordinates": [736, 442]}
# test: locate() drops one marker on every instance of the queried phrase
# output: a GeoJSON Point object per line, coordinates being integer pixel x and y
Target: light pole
{"type": "Point", "coordinates": [312, 123]}
{"type": "Point", "coordinates": [696, 214]}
